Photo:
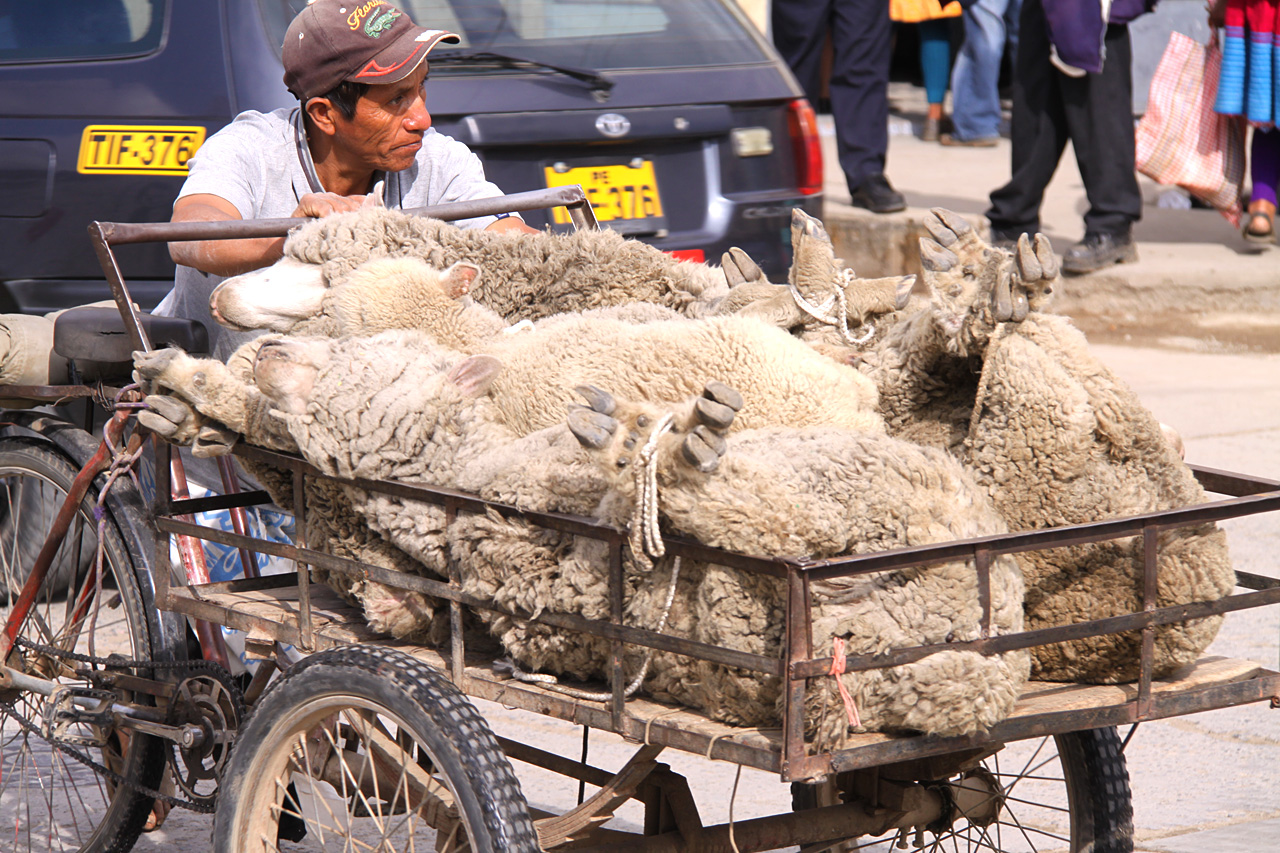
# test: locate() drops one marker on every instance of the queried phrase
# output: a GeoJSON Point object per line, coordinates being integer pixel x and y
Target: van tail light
{"type": "Point", "coordinates": [803, 124]}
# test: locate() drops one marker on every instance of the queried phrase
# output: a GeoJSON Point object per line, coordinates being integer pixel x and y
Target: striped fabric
{"type": "Point", "coordinates": [1250, 61]}
{"type": "Point", "coordinates": [1181, 140]}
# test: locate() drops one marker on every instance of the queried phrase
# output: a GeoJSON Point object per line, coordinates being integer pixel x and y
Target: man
{"type": "Point", "coordinates": [358, 71]}
{"type": "Point", "coordinates": [861, 41]}
{"type": "Point", "coordinates": [989, 25]}
{"type": "Point", "coordinates": [1073, 81]}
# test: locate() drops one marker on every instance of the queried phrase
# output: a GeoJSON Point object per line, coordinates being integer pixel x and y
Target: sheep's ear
{"type": "Point", "coordinates": [475, 374]}
{"type": "Point", "coordinates": [459, 279]}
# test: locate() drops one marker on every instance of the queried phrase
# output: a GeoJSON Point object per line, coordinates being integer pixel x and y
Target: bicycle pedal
{"type": "Point", "coordinates": [79, 716]}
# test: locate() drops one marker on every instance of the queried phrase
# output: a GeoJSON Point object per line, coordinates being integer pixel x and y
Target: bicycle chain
{"type": "Point", "coordinates": [114, 663]}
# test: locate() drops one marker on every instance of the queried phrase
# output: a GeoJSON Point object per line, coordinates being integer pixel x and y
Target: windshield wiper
{"type": "Point", "coordinates": [599, 83]}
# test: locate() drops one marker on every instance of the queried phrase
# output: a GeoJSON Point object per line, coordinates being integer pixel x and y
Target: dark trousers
{"type": "Point", "coordinates": [1095, 112]}
{"type": "Point", "coordinates": [860, 32]}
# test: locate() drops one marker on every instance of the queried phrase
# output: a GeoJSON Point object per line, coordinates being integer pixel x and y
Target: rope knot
{"type": "Point", "coordinates": [838, 299]}
{"type": "Point", "coordinates": [837, 670]}
{"type": "Point", "coordinates": [645, 539]}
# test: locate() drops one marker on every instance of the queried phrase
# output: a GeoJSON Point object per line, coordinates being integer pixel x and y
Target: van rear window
{"type": "Point", "coordinates": [79, 29]}
{"type": "Point", "coordinates": [595, 34]}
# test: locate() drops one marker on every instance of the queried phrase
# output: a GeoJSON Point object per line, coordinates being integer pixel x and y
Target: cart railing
{"type": "Point", "coordinates": [796, 663]}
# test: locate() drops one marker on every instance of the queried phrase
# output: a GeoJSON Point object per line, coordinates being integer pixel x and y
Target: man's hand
{"type": "Point", "coordinates": [232, 257]}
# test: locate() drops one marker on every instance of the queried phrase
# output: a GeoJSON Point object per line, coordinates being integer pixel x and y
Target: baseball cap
{"type": "Point", "coordinates": [365, 41]}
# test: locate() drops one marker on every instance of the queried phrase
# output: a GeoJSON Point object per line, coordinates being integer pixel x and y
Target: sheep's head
{"type": "Point", "coordinates": [275, 298]}
{"type": "Point", "coordinates": [390, 293]}
{"type": "Point", "coordinates": [286, 370]}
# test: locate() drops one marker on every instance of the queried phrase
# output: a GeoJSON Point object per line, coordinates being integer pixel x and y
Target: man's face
{"type": "Point", "coordinates": [386, 130]}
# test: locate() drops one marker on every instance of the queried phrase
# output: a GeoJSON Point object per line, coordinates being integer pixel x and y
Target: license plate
{"type": "Point", "coordinates": [617, 193]}
{"type": "Point", "coordinates": [112, 149]}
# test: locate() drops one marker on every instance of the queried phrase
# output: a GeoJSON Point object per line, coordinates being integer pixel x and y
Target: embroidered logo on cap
{"type": "Point", "coordinates": [376, 26]}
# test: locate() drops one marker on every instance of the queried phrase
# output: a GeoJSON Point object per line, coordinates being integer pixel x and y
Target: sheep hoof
{"type": "Point", "coordinates": [1028, 264]}
{"type": "Point", "coordinates": [700, 449]}
{"type": "Point", "coordinates": [935, 258]}
{"type": "Point", "coordinates": [739, 268]}
{"type": "Point", "coordinates": [811, 226]}
{"type": "Point", "coordinates": [1002, 300]}
{"type": "Point", "coordinates": [954, 221]}
{"type": "Point", "coordinates": [722, 394]}
{"type": "Point", "coordinates": [599, 400]}
{"type": "Point", "coordinates": [1048, 260]}
{"type": "Point", "coordinates": [214, 440]}
{"type": "Point", "coordinates": [713, 414]}
{"type": "Point", "coordinates": [903, 292]}
{"type": "Point", "coordinates": [592, 429]}
{"type": "Point", "coordinates": [939, 232]}
{"type": "Point", "coordinates": [1021, 307]}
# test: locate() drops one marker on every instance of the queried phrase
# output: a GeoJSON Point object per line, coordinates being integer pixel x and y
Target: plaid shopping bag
{"type": "Point", "coordinates": [1181, 140]}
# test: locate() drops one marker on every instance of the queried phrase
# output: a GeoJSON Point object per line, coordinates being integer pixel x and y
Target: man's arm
{"type": "Point", "coordinates": [232, 257]}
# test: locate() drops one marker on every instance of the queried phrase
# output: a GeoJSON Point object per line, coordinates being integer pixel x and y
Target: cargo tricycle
{"type": "Point", "coordinates": [118, 700]}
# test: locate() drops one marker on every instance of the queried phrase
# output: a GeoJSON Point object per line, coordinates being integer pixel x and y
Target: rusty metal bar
{"type": "Point", "coordinates": [617, 677]}
{"type": "Point", "coordinates": [798, 642]}
{"type": "Point", "coordinates": [162, 577]}
{"type": "Point", "coordinates": [1079, 534]}
{"type": "Point", "coordinates": [231, 486]}
{"type": "Point", "coordinates": [1146, 664]}
{"type": "Point", "coordinates": [1248, 580]}
{"type": "Point", "coordinates": [1163, 706]}
{"type": "Point", "coordinates": [457, 642]}
{"type": "Point", "coordinates": [100, 237]}
{"type": "Point", "coordinates": [1043, 636]}
{"type": "Point", "coordinates": [439, 589]}
{"type": "Point", "coordinates": [1232, 483]}
{"type": "Point", "coordinates": [107, 234]}
{"type": "Point", "coordinates": [982, 562]}
{"type": "Point", "coordinates": [305, 626]}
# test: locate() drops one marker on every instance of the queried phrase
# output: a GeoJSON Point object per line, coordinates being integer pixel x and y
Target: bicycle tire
{"type": "Point", "coordinates": [296, 769]}
{"type": "Point", "coordinates": [1085, 779]}
{"type": "Point", "coordinates": [62, 805]}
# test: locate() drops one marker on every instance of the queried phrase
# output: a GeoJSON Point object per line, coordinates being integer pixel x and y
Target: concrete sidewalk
{"type": "Point", "coordinates": [1191, 263]}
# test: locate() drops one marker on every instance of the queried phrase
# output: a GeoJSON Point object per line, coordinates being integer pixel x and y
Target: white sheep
{"type": "Point", "coordinates": [1055, 438]}
{"type": "Point", "coordinates": [533, 276]}
{"type": "Point", "coordinates": [394, 406]}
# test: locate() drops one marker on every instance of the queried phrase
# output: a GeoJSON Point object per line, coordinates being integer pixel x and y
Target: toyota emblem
{"type": "Point", "coordinates": [613, 125]}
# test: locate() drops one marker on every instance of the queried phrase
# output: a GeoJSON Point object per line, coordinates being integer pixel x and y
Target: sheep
{"type": "Point", "coordinates": [537, 275]}
{"type": "Point", "coordinates": [666, 359]}
{"type": "Point", "coordinates": [1055, 438]}
{"type": "Point", "coordinates": [820, 492]}
{"type": "Point", "coordinates": [394, 406]}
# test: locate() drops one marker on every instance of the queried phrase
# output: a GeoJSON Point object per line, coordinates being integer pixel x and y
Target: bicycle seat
{"type": "Point", "coordinates": [95, 338]}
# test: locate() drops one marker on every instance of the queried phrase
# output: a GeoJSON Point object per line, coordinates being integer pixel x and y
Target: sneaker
{"type": "Point", "coordinates": [953, 141]}
{"type": "Point", "coordinates": [878, 196]}
{"type": "Point", "coordinates": [1098, 250]}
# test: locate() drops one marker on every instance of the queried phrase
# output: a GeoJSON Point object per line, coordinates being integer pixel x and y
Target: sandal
{"type": "Point", "coordinates": [1259, 236]}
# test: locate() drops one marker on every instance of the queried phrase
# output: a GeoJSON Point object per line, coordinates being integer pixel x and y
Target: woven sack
{"type": "Point", "coordinates": [1181, 141]}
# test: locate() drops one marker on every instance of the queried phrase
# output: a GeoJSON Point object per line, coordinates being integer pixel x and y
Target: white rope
{"type": "Point", "coordinates": [822, 313]}
{"type": "Point", "coordinates": [645, 539]}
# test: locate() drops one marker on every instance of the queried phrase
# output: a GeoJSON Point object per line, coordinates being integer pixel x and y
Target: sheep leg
{"type": "Point", "coordinates": [211, 389]}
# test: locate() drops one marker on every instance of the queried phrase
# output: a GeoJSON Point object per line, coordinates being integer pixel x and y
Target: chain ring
{"type": "Point", "coordinates": [213, 701]}
{"type": "Point", "coordinates": [114, 662]}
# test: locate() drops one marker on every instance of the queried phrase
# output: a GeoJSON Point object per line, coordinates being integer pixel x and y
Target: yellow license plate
{"type": "Point", "coordinates": [616, 192]}
{"type": "Point", "coordinates": [116, 149]}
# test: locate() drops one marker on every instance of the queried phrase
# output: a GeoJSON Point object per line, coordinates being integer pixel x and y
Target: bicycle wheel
{"type": "Point", "coordinates": [367, 748]}
{"type": "Point", "coordinates": [49, 800]}
{"type": "Point", "coordinates": [1067, 792]}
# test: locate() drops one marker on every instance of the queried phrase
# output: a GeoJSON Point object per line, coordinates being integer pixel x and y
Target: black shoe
{"type": "Point", "coordinates": [1005, 239]}
{"type": "Point", "coordinates": [877, 196]}
{"type": "Point", "coordinates": [1097, 251]}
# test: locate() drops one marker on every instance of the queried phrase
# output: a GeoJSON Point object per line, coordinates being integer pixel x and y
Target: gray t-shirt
{"type": "Point", "coordinates": [254, 164]}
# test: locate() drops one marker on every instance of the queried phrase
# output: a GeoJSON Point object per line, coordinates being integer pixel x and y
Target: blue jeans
{"type": "Point", "coordinates": [975, 93]}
